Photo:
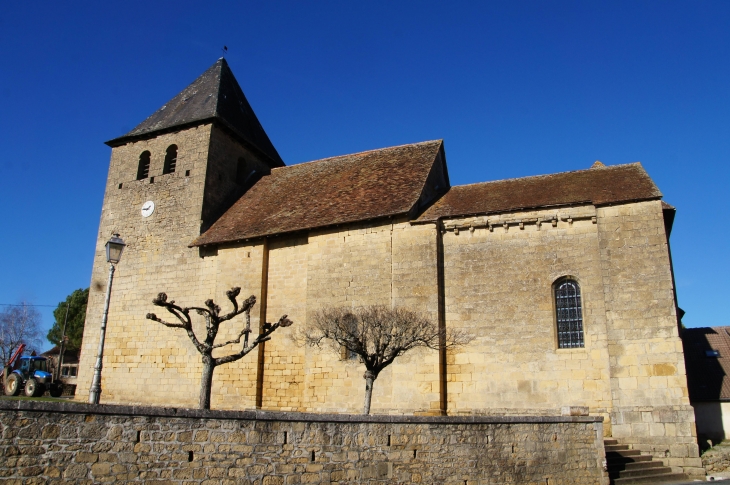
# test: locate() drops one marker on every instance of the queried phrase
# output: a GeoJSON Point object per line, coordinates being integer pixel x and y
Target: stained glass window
{"type": "Point", "coordinates": [569, 314]}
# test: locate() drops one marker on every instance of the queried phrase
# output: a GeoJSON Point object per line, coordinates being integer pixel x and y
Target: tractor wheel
{"type": "Point", "coordinates": [12, 387]}
{"type": "Point", "coordinates": [56, 390]}
{"type": "Point", "coordinates": [32, 388]}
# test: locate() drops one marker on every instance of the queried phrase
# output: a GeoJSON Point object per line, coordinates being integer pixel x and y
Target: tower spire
{"type": "Point", "coordinates": [214, 97]}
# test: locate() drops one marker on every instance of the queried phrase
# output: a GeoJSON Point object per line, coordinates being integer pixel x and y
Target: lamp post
{"type": "Point", "coordinates": [114, 248]}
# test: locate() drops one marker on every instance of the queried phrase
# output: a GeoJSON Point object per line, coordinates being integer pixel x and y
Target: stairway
{"type": "Point", "coordinates": [628, 467]}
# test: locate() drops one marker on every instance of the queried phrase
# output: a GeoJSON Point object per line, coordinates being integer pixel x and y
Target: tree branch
{"type": "Point", "coordinates": [152, 316]}
{"type": "Point", "coordinates": [263, 337]}
{"type": "Point", "coordinates": [236, 341]}
{"type": "Point", "coordinates": [182, 314]}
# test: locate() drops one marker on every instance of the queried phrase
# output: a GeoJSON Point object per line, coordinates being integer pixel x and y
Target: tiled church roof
{"type": "Point", "coordinates": [214, 96]}
{"type": "Point", "coordinates": [707, 357]}
{"type": "Point", "coordinates": [349, 188]}
{"type": "Point", "coordinates": [367, 185]}
{"type": "Point", "coordinates": [601, 185]}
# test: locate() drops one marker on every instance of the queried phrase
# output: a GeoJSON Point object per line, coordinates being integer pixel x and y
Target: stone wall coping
{"type": "Point", "coordinates": [257, 415]}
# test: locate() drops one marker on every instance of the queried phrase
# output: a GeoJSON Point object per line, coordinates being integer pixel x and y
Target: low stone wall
{"type": "Point", "coordinates": [76, 443]}
{"type": "Point", "coordinates": [716, 460]}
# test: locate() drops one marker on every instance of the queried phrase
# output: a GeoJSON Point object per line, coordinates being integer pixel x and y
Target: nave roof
{"type": "Point", "coordinates": [337, 190]}
{"type": "Point", "coordinates": [600, 185]}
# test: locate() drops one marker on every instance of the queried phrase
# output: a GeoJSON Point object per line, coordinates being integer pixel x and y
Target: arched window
{"type": "Point", "coordinates": [568, 313]}
{"type": "Point", "coordinates": [143, 170]}
{"type": "Point", "coordinates": [170, 159]}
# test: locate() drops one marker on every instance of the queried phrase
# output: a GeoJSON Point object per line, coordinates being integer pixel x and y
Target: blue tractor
{"type": "Point", "coordinates": [31, 374]}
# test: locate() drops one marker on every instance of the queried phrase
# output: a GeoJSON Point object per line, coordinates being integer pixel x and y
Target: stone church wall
{"type": "Point", "coordinates": [234, 384]}
{"type": "Point", "coordinates": [497, 283]}
{"type": "Point", "coordinates": [499, 287]}
{"type": "Point", "coordinates": [648, 381]}
{"type": "Point", "coordinates": [146, 360]}
{"type": "Point", "coordinates": [81, 444]}
{"type": "Point", "coordinates": [361, 264]}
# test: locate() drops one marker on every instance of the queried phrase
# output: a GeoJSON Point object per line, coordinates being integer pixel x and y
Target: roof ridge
{"type": "Point", "coordinates": [220, 63]}
{"type": "Point", "coordinates": [608, 167]}
{"type": "Point", "coordinates": [359, 153]}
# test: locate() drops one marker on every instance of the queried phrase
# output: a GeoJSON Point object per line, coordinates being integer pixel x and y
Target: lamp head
{"type": "Point", "coordinates": [114, 248]}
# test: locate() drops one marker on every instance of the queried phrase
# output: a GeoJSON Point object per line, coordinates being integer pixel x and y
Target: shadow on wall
{"type": "Point", "coordinates": [707, 358]}
{"type": "Point", "coordinates": [710, 420]}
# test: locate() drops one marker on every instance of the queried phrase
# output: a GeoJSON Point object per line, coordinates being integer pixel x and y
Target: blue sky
{"type": "Point", "coordinates": [514, 89]}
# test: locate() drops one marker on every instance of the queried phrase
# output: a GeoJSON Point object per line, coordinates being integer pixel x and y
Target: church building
{"type": "Point", "coordinates": [564, 280]}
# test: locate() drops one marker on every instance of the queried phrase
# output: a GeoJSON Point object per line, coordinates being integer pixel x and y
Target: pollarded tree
{"type": "Point", "coordinates": [213, 320]}
{"type": "Point", "coordinates": [378, 335]}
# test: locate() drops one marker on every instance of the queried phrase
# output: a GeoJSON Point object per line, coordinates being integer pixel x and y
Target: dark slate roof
{"type": "Point", "coordinates": [349, 188]}
{"type": "Point", "coordinates": [707, 375]}
{"type": "Point", "coordinates": [214, 96]}
{"type": "Point", "coordinates": [599, 185]}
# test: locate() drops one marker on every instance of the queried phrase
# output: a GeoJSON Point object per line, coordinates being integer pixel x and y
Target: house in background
{"type": "Point", "coordinates": [69, 367]}
{"type": "Point", "coordinates": [707, 356]}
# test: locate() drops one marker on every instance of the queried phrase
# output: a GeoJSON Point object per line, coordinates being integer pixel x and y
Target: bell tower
{"type": "Point", "coordinates": [169, 179]}
{"type": "Point", "coordinates": [207, 135]}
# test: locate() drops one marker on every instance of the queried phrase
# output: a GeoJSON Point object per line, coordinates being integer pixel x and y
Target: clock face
{"type": "Point", "coordinates": [148, 208]}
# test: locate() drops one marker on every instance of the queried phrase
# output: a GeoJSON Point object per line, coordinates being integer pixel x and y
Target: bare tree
{"type": "Point", "coordinates": [378, 335]}
{"type": "Point", "coordinates": [213, 320]}
{"type": "Point", "coordinates": [19, 324]}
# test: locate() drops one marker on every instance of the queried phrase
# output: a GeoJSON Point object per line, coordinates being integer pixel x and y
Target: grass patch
{"type": "Point", "coordinates": [24, 398]}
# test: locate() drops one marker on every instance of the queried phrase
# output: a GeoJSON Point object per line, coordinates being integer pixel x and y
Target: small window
{"type": "Point", "coordinates": [143, 170]}
{"type": "Point", "coordinates": [68, 371]}
{"type": "Point", "coordinates": [712, 353]}
{"type": "Point", "coordinates": [170, 159]}
{"type": "Point", "coordinates": [568, 314]}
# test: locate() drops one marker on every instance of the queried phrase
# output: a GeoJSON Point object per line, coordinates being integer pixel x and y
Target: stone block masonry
{"type": "Point", "coordinates": [82, 444]}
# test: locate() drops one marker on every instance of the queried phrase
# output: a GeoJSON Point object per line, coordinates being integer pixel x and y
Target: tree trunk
{"type": "Point", "coordinates": [206, 382]}
{"type": "Point", "coordinates": [369, 380]}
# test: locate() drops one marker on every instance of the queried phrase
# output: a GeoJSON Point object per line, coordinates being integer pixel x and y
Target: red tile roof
{"type": "Point", "coordinates": [707, 374]}
{"type": "Point", "coordinates": [599, 185]}
{"type": "Point", "coordinates": [349, 188]}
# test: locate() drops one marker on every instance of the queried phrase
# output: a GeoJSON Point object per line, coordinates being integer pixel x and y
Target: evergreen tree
{"type": "Point", "coordinates": [76, 303]}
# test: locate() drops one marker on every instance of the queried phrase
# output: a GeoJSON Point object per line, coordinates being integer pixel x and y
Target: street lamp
{"type": "Point", "coordinates": [114, 248]}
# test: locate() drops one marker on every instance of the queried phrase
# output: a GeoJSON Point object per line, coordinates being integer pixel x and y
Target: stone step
{"type": "Point", "coordinates": [628, 461]}
{"type": "Point", "coordinates": [629, 466]}
{"type": "Point", "coordinates": [665, 470]}
{"type": "Point", "coordinates": [616, 447]}
{"type": "Point", "coordinates": [626, 452]}
{"type": "Point", "coordinates": [642, 465]}
{"type": "Point", "coordinates": [664, 478]}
